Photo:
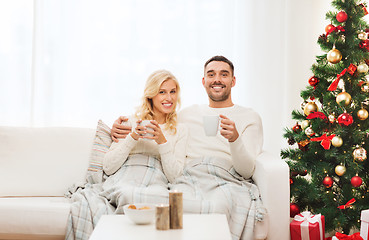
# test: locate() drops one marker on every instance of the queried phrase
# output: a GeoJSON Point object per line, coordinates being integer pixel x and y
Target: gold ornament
{"type": "Point", "coordinates": [334, 56]}
{"type": "Point", "coordinates": [362, 114]}
{"type": "Point", "coordinates": [343, 97]}
{"type": "Point", "coordinates": [359, 154]}
{"type": "Point", "coordinates": [337, 141]}
{"type": "Point", "coordinates": [305, 124]}
{"type": "Point", "coordinates": [303, 104]}
{"type": "Point", "coordinates": [331, 118]}
{"type": "Point", "coordinates": [310, 107]}
{"type": "Point", "coordinates": [365, 87]}
{"type": "Point", "coordinates": [340, 170]}
{"type": "Point", "coordinates": [362, 36]}
{"type": "Point", "coordinates": [362, 68]}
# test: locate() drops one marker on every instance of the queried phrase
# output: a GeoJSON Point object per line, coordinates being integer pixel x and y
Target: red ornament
{"type": "Point", "coordinates": [345, 119]}
{"type": "Point", "coordinates": [328, 182]}
{"type": "Point", "coordinates": [329, 28]}
{"type": "Point", "coordinates": [313, 81]}
{"type": "Point", "coordinates": [356, 181]}
{"type": "Point", "coordinates": [303, 173]}
{"type": "Point", "coordinates": [351, 69]}
{"type": "Point", "coordinates": [294, 173]}
{"type": "Point", "coordinates": [294, 210]}
{"type": "Point", "coordinates": [297, 128]}
{"type": "Point", "coordinates": [341, 16]}
{"type": "Point", "coordinates": [291, 181]}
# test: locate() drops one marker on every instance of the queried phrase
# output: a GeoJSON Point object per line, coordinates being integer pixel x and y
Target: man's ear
{"type": "Point", "coordinates": [233, 81]}
{"type": "Point", "coordinates": [203, 81]}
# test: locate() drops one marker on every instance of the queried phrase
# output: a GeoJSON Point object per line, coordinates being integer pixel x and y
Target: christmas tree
{"type": "Point", "coordinates": [328, 153]}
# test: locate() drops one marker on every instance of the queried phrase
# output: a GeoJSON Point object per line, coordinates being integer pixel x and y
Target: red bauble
{"type": "Point", "coordinates": [328, 182]}
{"type": "Point", "coordinates": [329, 28]}
{"type": "Point", "coordinates": [297, 128]}
{"type": "Point", "coordinates": [341, 16]}
{"type": "Point", "coordinates": [294, 210]}
{"type": "Point", "coordinates": [345, 119]}
{"type": "Point", "coordinates": [291, 181]}
{"type": "Point", "coordinates": [294, 173]}
{"type": "Point", "coordinates": [303, 173]}
{"type": "Point", "coordinates": [313, 81]}
{"type": "Point", "coordinates": [356, 181]}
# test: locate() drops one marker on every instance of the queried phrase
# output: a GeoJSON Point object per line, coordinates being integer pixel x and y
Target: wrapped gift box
{"type": "Point", "coordinates": [364, 232]}
{"type": "Point", "coordinates": [306, 226]}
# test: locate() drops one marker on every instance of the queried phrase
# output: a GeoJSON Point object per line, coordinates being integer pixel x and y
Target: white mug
{"type": "Point", "coordinates": [144, 123]}
{"type": "Point", "coordinates": [211, 124]}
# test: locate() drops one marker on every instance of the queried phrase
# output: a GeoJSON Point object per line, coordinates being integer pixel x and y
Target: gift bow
{"type": "Point", "coordinates": [306, 218]}
{"type": "Point", "coordinates": [355, 236]}
{"type": "Point", "coordinates": [335, 29]}
{"type": "Point", "coordinates": [334, 84]}
{"type": "Point", "coordinates": [314, 115]}
{"type": "Point", "coordinates": [325, 140]}
{"type": "Point", "coordinates": [348, 204]}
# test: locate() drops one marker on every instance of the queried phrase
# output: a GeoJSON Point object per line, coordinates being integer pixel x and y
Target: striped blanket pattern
{"type": "Point", "coordinates": [209, 185]}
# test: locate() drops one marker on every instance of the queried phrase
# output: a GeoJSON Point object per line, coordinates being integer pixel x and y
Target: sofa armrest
{"type": "Point", "coordinates": [272, 178]}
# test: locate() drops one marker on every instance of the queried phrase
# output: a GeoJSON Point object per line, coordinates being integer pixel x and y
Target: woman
{"type": "Point", "coordinates": [163, 138]}
{"type": "Point", "coordinates": [139, 165]}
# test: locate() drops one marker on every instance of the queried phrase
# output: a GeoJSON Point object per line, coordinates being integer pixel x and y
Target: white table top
{"type": "Point", "coordinates": [195, 227]}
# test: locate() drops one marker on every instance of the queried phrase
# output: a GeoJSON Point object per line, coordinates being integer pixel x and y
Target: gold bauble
{"type": "Point", "coordinates": [331, 118]}
{"type": "Point", "coordinates": [362, 114]}
{"type": "Point", "coordinates": [337, 141]}
{"type": "Point", "coordinates": [310, 107]}
{"type": "Point", "coordinates": [340, 170]}
{"type": "Point", "coordinates": [359, 154]}
{"type": "Point", "coordinates": [343, 97]}
{"type": "Point", "coordinates": [305, 124]}
{"type": "Point", "coordinates": [362, 68]}
{"type": "Point", "coordinates": [362, 36]}
{"type": "Point", "coordinates": [334, 56]}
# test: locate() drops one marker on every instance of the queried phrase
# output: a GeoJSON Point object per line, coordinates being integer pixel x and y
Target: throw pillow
{"type": "Point", "coordinates": [101, 145]}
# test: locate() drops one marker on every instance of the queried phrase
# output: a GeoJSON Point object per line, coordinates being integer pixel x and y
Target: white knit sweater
{"type": "Point", "coordinates": [172, 153]}
{"type": "Point", "coordinates": [242, 152]}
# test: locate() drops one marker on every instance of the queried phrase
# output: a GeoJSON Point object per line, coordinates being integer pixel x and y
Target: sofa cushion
{"type": "Point", "coordinates": [100, 146]}
{"type": "Point", "coordinates": [34, 215]}
{"type": "Point", "coordinates": [43, 161]}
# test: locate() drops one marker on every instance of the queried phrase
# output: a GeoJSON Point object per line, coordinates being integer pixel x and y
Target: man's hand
{"type": "Point", "coordinates": [228, 129]}
{"type": "Point", "coordinates": [120, 130]}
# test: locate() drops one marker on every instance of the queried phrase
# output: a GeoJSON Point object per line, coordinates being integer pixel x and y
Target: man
{"type": "Point", "coordinates": [241, 135]}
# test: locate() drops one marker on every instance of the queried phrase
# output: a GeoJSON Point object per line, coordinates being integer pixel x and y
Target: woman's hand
{"type": "Point", "coordinates": [139, 131]}
{"type": "Point", "coordinates": [156, 132]}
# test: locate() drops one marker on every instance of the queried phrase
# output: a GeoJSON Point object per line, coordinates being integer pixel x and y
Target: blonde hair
{"type": "Point", "coordinates": [152, 87]}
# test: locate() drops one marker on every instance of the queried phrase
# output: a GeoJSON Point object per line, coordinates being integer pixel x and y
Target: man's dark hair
{"type": "Point", "coordinates": [220, 59]}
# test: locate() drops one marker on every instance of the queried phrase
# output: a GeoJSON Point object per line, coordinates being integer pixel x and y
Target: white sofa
{"type": "Point", "coordinates": [38, 165]}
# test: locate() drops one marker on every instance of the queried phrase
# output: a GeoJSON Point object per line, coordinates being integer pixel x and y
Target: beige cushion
{"type": "Point", "coordinates": [43, 161]}
{"type": "Point", "coordinates": [100, 146]}
{"type": "Point", "coordinates": [34, 215]}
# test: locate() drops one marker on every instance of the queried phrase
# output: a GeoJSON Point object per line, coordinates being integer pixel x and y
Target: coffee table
{"type": "Point", "coordinates": [195, 227]}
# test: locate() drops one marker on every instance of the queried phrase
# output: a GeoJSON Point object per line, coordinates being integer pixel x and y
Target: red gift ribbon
{"type": "Point", "coordinates": [334, 84]}
{"type": "Point", "coordinates": [355, 236]}
{"type": "Point", "coordinates": [326, 141]}
{"type": "Point", "coordinates": [335, 29]}
{"type": "Point", "coordinates": [348, 204]}
{"type": "Point", "coordinates": [317, 115]}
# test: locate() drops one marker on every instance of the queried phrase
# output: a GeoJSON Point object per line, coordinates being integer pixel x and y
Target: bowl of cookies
{"type": "Point", "coordinates": [140, 213]}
